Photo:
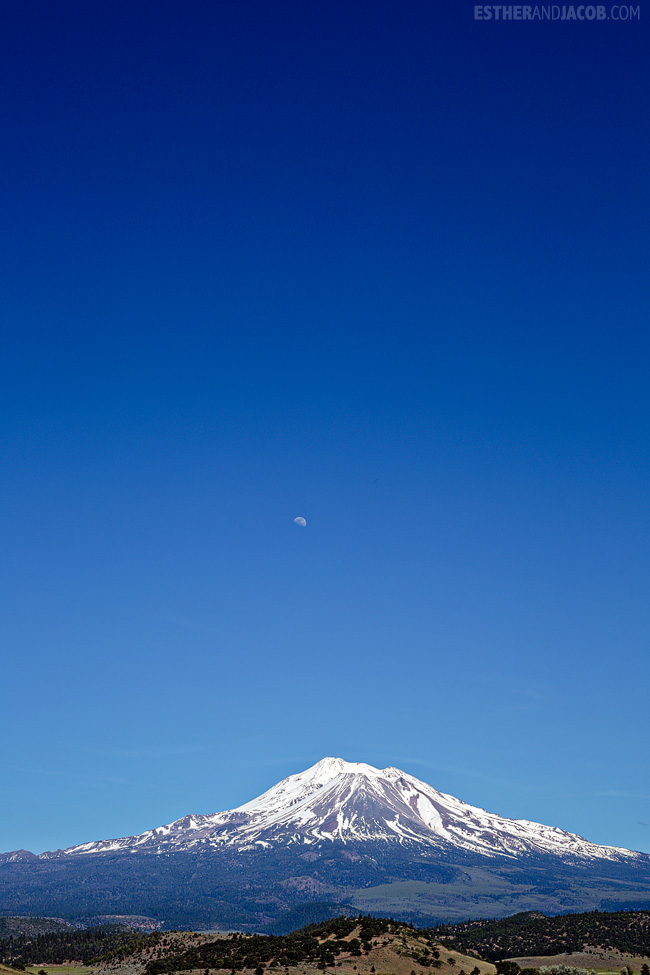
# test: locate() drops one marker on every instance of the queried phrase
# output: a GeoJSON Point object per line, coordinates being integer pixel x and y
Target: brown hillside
{"type": "Point", "coordinates": [390, 954]}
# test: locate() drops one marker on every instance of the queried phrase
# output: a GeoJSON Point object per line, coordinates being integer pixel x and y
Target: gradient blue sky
{"type": "Point", "coordinates": [376, 264]}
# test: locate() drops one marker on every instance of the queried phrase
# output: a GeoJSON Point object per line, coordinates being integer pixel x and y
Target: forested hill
{"type": "Point", "coordinates": [162, 953]}
{"type": "Point", "coordinates": [348, 938]}
{"type": "Point", "coordinates": [179, 951]}
{"type": "Point", "coordinates": [316, 944]}
{"type": "Point", "coordinates": [532, 934]}
{"type": "Point", "coordinates": [32, 926]}
{"type": "Point", "coordinates": [59, 947]}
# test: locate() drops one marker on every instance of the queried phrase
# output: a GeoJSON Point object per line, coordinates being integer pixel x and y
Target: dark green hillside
{"type": "Point", "coordinates": [59, 947]}
{"type": "Point", "coordinates": [530, 934]}
{"type": "Point", "coordinates": [304, 914]}
{"type": "Point", "coordinates": [31, 926]}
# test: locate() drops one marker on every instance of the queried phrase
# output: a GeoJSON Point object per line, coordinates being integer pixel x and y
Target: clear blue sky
{"type": "Point", "coordinates": [376, 264]}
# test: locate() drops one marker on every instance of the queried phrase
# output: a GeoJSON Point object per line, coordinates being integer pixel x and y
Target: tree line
{"type": "Point", "coordinates": [532, 933]}
{"type": "Point", "coordinates": [59, 947]}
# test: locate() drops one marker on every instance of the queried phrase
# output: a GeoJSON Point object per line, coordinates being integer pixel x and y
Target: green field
{"type": "Point", "coordinates": [58, 969]}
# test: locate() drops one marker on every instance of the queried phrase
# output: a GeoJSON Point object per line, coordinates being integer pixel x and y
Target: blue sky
{"type": "Point", "coordinates": [379, 265]}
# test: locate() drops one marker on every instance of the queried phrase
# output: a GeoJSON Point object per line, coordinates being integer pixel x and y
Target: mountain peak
{"type": "Point", "coordinates": [330, 767]}
{"type": "Point", "coordinates": [352, 802]}
{"type": "Point", "coordinates": [337, 766]}
{"type": "Point", "coordinates": [335, 827]}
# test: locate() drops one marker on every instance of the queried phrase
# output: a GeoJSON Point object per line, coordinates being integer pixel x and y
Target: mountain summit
{"type": "Point", "coordinates": [338, 836]}
{"type": "Point", "coordinates": [336, 800]}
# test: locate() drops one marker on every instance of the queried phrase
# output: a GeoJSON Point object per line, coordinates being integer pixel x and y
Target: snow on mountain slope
{"type": "Point", "coordinates": [351, 801]}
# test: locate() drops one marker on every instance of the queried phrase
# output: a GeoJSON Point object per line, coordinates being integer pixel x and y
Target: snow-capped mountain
{"type": "Point", "coordinates": [352, 802]}
{"type": "Point", "coordinates": [338, 836]}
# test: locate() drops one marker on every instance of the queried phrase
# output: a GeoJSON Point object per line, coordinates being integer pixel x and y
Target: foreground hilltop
{"type": "Point", "coordinates": [339, 834]}
{"type": "Point", "coordinates": [353, 946]}
{"type": "Point", "coordinates": [357, 945]}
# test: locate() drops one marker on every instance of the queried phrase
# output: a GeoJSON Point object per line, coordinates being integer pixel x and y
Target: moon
{"type": "Point", "coordinates": [300, 521]}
